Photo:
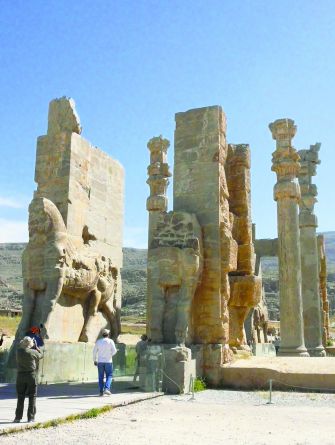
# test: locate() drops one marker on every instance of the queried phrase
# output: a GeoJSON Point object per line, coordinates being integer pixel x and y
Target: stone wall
{"type": "Point", "coordinates": [71, 265]}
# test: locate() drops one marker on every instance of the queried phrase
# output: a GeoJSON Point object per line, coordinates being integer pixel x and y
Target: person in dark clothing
{"type": "Point", "coordinates": [1, 338]}
{"type": "Point", "coordinates": [28, 355]}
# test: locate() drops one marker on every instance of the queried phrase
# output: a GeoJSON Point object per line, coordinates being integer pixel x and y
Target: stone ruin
{"type": "Point", "coordinates": [71, 265]}
{"type": "Point", "coordinates": [304, 308]}
{"type": "Point", "coordinates": [201, 260]}
{"type": "Point", "coordinates": [323, 290]}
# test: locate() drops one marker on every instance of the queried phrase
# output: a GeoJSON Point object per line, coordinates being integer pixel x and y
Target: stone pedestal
{"type": "Point", "coordinates": [287, 194]}
{"type": "Point", "coordinates": [68, 362]}
{"type": "Point", "coordinates": [167, 368]}
{"type": "Point", "coordinates": [309, 253]}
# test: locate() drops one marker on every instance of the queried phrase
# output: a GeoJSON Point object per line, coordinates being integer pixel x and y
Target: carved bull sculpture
{"type": "Point", "coordinates": [52, 266]}
{"type": "Point", "coordinates": [174, 271]}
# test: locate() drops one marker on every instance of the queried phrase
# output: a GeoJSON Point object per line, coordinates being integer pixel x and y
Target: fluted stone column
{"type": "Point", "coordinates": [158, 181]}
{"type": "Point", "coordinates": [309, 252]}
{"type": "Point", "coordinates": [285, 162]}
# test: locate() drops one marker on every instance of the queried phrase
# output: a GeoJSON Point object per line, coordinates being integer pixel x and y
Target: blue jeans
{"type": "Point", "coordinates": [105, 368]}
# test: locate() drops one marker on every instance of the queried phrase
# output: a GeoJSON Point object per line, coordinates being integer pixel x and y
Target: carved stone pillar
{"type": "Point", "coordinates": [323, 289]}
{"type": "Point", "coordinates": [285, 162]}
{"type": "Point", "coordinates": [309, 252]}
{"type": "Point", "coordinates": [158, 181]}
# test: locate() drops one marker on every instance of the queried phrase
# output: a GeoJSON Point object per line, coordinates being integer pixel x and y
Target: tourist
{"type": "Point", "coordinates": [1, 338]}
{"type": "Point", "coordinates": [103, 352]}
{"type": "Point", "coordinates": [277, 343]}
{"type": "Point", "coordinates": [140, 348]}
{"type": "Point", "coordinates": [28, 356]}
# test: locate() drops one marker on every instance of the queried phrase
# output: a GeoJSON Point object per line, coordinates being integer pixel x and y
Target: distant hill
{"type": "Point", "coordinates": [134, 278]}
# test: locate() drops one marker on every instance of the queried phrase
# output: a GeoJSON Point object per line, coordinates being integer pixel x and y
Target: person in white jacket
{"type": "Point", "coordinates": [103, 352]}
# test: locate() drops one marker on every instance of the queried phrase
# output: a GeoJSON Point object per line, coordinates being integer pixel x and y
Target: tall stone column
{"type": "Point", "coordinates": [158, 181]}
{"type": "Point", "coordinates": [323, 289]}
{"type": "Point", "coordinates": [309, 252]}
{"type": "Point", "coordinates": [285, 162]}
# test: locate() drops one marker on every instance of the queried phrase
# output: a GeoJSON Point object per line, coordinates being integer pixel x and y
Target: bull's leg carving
{"type": "Point", "coordinates": [93, 302]}
{"type": "Point", "coordinates": [184, 310]}
{"type": "Point", "coordinates": [27, 309]}
{"type": "Point", "coordinates": [52, 294]}
{"type": "Point", "coordinates": [158, 303]}
{"type": "Point", "coordinates": [112, 316]}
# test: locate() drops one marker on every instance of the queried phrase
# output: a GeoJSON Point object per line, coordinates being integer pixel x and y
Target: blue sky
{"type": "Point", "coordinates": [131, 65]}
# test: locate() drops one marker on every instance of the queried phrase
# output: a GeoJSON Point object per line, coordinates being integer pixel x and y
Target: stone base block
{"type": "Point", "coordinates": [293, 352]}
{"type": "Point", "coordinates": [68, 362]}
{"type": "Point", "coordinates": [263, 350]}
{"type": "Point", "coordinates": [167, 368]}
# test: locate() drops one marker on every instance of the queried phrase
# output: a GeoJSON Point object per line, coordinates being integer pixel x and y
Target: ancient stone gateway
{"type": "Point", "coordinates": [71, 265]}
{"type": "Point", "coordinates": [201, 261]}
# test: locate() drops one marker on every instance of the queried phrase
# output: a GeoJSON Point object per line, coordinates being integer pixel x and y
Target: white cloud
{"type": "Point", "coordinates": [136, 237]}
{"type": "Point", "coordinates": [12, 203]}
{"type": "Point", "coordinates": [13, 231]}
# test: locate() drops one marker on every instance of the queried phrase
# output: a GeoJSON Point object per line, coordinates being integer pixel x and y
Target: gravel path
{"type": "Point", "coordinates": [214, 417]}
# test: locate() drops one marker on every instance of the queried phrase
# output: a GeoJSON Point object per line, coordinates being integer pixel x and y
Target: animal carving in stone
{"type": "Point", "coordinates": [174, 270]}
{"type": "Point", "coordinates": [260, 321]}
{"type": "Point", "coordinates": [52, 267]}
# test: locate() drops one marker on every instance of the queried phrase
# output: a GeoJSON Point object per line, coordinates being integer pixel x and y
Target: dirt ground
{"type": "Point", "coordinates": [214, 417]}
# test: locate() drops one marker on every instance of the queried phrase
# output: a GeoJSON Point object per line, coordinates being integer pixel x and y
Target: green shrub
{"type": "Point", "coordinates": [330, 342]}
{"type": "Point", "coordinates": [199, 385]}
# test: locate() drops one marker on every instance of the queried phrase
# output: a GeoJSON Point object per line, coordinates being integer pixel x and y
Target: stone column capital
{"type": "Point", "coordinates": [158, 174]}
{"type": "Point", "coordinates": [283, 131]}
{"type": "Point", "coordinates": [158, 144]}
{"type": "Point", "coordinates": [285, 159]}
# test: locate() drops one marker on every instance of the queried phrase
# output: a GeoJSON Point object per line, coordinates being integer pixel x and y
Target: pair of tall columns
{"type": "Point", "coordinates": [300, 312]}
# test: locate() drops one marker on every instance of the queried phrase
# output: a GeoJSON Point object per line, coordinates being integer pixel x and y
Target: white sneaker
{"type": "Point", "coordinates": [107, 392]}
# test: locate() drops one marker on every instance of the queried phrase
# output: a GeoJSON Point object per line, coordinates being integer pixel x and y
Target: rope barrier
{"type": "Point", "coordinates": [293, 386]}
{"type": "Point", "coordinates": [302, 387]}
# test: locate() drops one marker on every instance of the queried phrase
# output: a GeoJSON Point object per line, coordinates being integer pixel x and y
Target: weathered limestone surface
{"type": "Point", "coordinates": [175, 262]}
{"type": "Point", "coordinates": [266, 247]}
{"type": "Point", "coordinates": [287, 194]}
{"type": "Point", "coordinates": [323, 289]}
{"type": "Point", "coordinates": [200, 187]}
{"type": "Point", "coordinates": [71, 266]}
{"type": "Point", "coordinates": [245, 286]}
{"type": "Point", "coordinates": [202, 252]}
{"type": "Point", "coordinates": [212, 180]}
{"type": "Point", "coordinates": [158, 181]}
{"type": "Point", "coordinates": [309, 252]}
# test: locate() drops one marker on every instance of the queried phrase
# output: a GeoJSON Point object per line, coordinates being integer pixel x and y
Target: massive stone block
{"type": "Point", "coordinates": [211, 187]}
{"type": "Point", "coordinates": [71, 266]}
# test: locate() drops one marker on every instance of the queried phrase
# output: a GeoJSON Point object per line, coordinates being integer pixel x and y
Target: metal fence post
{"type": "Point", "coordinates": [270, 393]}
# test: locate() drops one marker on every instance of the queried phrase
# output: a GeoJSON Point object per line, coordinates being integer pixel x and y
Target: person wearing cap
{"type": "Point", "coordinates": [28, 356]}
{"type": "Point", "coordinates": [103, 352]}
{"type": "Point", "coordinates": [35, 333]}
